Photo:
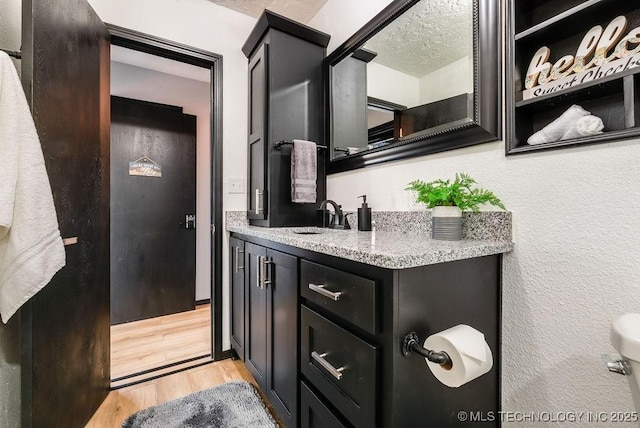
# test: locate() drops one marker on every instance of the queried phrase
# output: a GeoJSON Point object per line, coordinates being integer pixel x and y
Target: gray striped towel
{"type": "Point", "coordinates": [304, 159]}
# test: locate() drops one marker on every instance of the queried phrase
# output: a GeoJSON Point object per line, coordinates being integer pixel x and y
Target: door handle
{"type": "Point", "coordinates": [319, 288]}
{"type": "Point", "coordinates": [335, 372]}
{"type": "Point", "coordinates": [258, 197]}
{"type": "Point", "coordinates": [238, 251]}
{"type": "Point", "coordinates": [189, 221]}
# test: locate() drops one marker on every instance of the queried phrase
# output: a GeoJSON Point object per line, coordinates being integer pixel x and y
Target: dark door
{"type": "Point", "coordinates": [238, 287]}
{"type": "Point", "coordinates": [282, 335]}
{"type": "Point", "coordinates": [65, 327]}
{"type": "Point", "coordinates": [153, 190]}
{"type": "Point", "coordinates": [256, 316]}
{"type": "Point", "coordinates": [258, 99]}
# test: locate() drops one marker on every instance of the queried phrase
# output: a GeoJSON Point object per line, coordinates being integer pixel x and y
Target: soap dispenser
{"type": "Point", "coordinates": [364, 215]}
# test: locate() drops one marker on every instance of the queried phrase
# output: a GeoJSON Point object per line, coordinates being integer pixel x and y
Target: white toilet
{"type": "Point", "coordinates": [625, 337]}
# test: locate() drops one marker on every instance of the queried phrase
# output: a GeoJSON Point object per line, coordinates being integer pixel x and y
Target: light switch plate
{"type": "Point", "coordinates": [235, 185]}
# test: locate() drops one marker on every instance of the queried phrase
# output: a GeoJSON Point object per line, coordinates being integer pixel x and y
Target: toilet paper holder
{"type": "Point", "coordinates": [411, 343]}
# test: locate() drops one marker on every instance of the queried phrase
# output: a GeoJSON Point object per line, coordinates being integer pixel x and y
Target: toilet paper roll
{"type": "Point", "coordinates": [470, 355]}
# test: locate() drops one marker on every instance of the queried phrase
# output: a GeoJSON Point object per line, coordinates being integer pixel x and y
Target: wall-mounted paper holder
{"type": "Point", "coordinates": [411, 343]}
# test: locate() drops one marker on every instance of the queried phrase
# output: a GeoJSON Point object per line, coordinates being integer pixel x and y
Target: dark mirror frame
{"type": "Point", "coordinates": [486, 125]}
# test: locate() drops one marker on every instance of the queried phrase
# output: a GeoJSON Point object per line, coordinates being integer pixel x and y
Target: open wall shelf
{"type": "Point", "coordinates": [561, 26]}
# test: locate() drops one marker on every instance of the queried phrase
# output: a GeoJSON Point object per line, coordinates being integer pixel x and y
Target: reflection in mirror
{"type": "Point", "coordinates": [421, 65]}
{"type": "Point", "coordinates": [435, 62]}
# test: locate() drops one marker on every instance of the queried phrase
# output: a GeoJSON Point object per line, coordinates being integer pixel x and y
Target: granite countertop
{"type": "Point", "coordinates": [387, 249]}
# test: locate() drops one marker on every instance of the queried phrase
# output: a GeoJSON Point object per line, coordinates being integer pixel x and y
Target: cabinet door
{"type": "Point", "coordinates": [282, 349]}
{"type": "Point", "coordinates": [258, 111]}
{"type": "Point", "coordinates": [256, 316]}
{"type": "Point", "coordinates": [236, 269]}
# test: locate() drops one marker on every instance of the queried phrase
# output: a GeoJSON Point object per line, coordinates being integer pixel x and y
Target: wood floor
{"type": "Point", "coordinates": [147, 344]}
{"type": "Point", "coordinates": [121, 403]}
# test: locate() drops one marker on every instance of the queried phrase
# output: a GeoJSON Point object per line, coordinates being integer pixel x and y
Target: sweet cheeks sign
{"type": "Point", "coordinates": [601, 53]}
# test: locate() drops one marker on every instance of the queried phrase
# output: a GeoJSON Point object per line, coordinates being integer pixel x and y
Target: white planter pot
{"type": "Point", "coordinates": [446, 223]}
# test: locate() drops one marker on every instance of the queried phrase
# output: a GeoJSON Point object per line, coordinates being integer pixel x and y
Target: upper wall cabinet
{"type": "Point", "coordinates": [572, 73]}
{"type": "Point", "coordinates": [285, 103]}
{"type": "Point", "coordinates": [421, 77]}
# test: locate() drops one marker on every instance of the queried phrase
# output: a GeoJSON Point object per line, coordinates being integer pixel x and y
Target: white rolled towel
{"type": "Point", "coordinates": [585, 126]}
{"type": "Point", "coordinates": [556, 129]}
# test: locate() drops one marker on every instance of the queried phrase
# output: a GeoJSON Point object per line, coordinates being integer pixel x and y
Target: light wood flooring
{"type": "Point", "coordinates": [123, 402]}
{"type": "Point", "coordinates": [147, 344]}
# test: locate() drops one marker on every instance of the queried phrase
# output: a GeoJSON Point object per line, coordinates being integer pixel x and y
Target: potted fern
{"type": "Point", "coordinates": [448, 199]}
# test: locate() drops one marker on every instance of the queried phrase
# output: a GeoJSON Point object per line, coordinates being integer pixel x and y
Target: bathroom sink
{"type": "Point", "coordinates": [314, 231]}
{"type": "Point", "coordinates": [308, 230]}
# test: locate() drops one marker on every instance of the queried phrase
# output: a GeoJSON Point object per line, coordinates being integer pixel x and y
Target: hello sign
{"type": "Point", "coordinates": [601, 53]}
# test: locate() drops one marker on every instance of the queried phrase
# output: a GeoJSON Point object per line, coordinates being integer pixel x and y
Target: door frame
{"type": "Point", "coordinates": [142, 42]}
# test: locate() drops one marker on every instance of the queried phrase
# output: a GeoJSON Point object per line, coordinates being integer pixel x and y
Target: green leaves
{"type": "Point", "coordinates": [457, 193]}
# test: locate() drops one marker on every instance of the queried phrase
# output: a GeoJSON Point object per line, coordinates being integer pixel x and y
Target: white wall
{"type": "Point", "coordinates": [448, 81]}
{"type": "Point", "coordinates": [193, 95]}
{"type": "Point", "coordinates": [574, 268]}
{"type": "Point", "coordinates": [392, 85]}
{"type": "Point", "coordinates": [10, 30]}
{"type": "Point", "coordinates": [210, 27]}
{"type": "Point", "coordinates": [10, 20]}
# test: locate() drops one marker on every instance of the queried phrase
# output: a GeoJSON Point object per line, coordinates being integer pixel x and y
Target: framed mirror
{"type": "Point", "coordinates": [421, 77]}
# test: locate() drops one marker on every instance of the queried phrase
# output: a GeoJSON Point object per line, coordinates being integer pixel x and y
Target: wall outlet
{"type": "Point", "coordinates": [413, 205]}
{"type": "Point", "coordinates": [235, 185]}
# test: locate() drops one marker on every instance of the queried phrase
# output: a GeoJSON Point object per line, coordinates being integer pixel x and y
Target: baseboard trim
{"type": "Point", "coordinates": [229, 353]}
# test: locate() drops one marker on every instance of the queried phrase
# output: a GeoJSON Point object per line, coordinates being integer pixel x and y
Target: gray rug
{"type": "Point", "coordinates": [235, 404]}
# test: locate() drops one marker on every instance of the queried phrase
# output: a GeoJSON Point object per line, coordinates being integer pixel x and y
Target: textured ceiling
{"type": "Point", "coordinates": [430, 35]}
{"type": "Point", "coordinates": [298, 10]}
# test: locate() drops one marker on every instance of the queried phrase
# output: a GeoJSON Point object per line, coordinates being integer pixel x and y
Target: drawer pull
{"type": "Point", "coordinates": [238, 251]}
{"type": "Point", "coordinates": [258, 197]}
{"type": "Point", "coordinates": [337, 373]}
{"type": "Point", "coordinates": [259, 272]}
{"type": "Point", "coordinates": [319, 288]}
{"type": "Point", "coordinates": [265, 269]}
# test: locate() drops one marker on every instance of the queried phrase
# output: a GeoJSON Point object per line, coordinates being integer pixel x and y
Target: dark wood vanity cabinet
{"type": "Point", "coordinates": [285, 103]}
{"type": "Point", "coordinates": [345, 323]}
{"type": "Point", "coordinates": [271, 317]}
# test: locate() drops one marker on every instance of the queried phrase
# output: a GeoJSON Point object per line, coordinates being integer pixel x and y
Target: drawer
{"type": "Point", "coordinates": [314, 413]}
{"type": "Point", "coordinates": [351, 297]}
{"type": "Point", "coordinates": [341, 366]}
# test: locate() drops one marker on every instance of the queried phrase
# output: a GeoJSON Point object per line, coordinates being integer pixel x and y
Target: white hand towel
{"type": "Point", "coordinates": [585, 126]}
{"type": "Point", "coordinates": [556, 129]}
{"type": "Point", "coordinates": [31, 249]}
{"type": "Point", "coordinates": [304, 160]}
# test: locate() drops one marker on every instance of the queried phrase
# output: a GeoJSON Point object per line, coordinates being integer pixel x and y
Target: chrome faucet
{"type": "Point", "coordinates": [339, 219]}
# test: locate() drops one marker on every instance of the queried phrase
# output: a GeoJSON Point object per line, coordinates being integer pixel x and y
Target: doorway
{"type": "Point", "coordinates": [160, 74]}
